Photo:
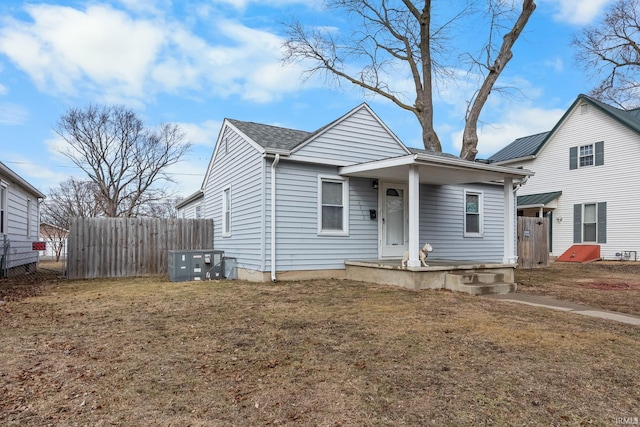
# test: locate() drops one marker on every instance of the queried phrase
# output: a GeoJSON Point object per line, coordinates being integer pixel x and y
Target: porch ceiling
{"type": "Point", "coordinates": [434, 169]}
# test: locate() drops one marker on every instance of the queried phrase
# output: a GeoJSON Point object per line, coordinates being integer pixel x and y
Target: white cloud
{"type": "Point", "coordinates": [518, 121]}
{"type": "Point", "coordinates": [577, 12]}
{"type": "Point", "coordinates": [64, 46]}
{"type": "Point", "coordinates": [105, 53]}
{"type": "Point", "coordinates": [204, 133]}
{"type": "Point", "coordinates": [12, 114]}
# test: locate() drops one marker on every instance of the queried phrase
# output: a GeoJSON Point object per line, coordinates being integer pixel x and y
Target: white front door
{"type": "Point", "coordinates": [393, 223]}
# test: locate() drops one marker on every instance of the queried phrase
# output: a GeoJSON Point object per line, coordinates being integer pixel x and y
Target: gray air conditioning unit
{"type": "Point", "coordinates": [200, 264]}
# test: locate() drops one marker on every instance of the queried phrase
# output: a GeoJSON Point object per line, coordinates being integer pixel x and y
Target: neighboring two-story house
{"type": "Point", "coordinates": [586, 178]}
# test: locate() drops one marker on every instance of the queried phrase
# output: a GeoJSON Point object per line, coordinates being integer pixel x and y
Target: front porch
{"type": "Point", "coordinates": [472, 277]}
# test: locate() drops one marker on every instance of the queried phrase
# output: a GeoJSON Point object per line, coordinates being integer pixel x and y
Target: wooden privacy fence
{"type": "Point", "coordinates": [533, 243]}
{"type": "Point", "coordinates": [128, 247]}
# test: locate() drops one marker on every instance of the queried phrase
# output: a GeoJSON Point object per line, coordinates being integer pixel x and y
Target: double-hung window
{"type": "Point", "coordinates": [586, 155]}
{"type": "Point", "coordinates": [473, 214]}
{"type": "Point", "coordinates": [226, 212]}
{"type": "Point", "coordinates": [29, 213]}
{"type": "Point", "coordinates": [590, 223]}
{"type": "Point", "coordinates": [198, 211]}
{"type": "Point", "coordinates": [333, 206]}
{"type": "Point", "coordinates": [3, 208]}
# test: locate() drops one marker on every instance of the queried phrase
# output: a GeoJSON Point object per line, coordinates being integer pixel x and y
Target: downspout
{"type": "Point", "coordinates": [276, 160]}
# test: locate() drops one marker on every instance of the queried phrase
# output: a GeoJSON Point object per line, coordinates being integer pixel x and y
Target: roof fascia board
{"type": "Point", "coordinates": [192, 198]}
{"type": "Point", "coordinates": [346, 116]}
{"type": "Point", "coordinates": [17, 178]}
{"type": "Point", "coordinates": [460, 163]}
{"type": "Point", "coordinates": [226, 124]}
{"type": "Point", "coordinates": [517, 160]}
{"type": "Point", "coordinates": [313, 160]}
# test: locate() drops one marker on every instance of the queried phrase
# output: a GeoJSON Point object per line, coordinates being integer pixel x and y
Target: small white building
{"type": "Point", "coordinates": [19, 223]}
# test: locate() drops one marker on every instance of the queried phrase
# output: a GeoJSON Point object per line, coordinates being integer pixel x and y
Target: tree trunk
{"type": "Point", "coordinates": [424, 95]}
{"type": "Point", "coordinates": [470, 135]}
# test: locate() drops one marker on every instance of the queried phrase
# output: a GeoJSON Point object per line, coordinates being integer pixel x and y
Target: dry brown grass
{"type": "Point", "coordinates": [327, 353]}
{"type": "Point", "coordinates": [610, 285]}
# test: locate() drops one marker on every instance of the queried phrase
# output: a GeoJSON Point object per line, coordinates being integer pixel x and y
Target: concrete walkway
{"type": "Point", "coordinates": [556, 304]}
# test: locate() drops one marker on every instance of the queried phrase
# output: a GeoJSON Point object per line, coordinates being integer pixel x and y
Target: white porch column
{"type": "Point", "coordinates": [509, 223]}
{"type": "Point", "coordinates": [414, 216]}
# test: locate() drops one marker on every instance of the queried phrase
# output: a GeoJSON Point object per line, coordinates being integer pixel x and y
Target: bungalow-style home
{"type": "Point", "coordinates": [349, 200]}
{"type": "Point", "coordinates": [586, 178]}
{"type": "Point", "coordinates": [19, 223]}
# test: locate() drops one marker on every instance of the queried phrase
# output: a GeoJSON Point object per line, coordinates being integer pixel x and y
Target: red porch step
{"type": "Point", "coordinates": [580, 253]}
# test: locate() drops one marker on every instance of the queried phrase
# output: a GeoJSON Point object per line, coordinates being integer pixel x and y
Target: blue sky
{"type": "Point", "coordinates": [196, 62]}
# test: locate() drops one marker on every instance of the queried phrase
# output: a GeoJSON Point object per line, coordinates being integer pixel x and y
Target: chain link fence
{"type": "Point", "coordinates": [26, 265]}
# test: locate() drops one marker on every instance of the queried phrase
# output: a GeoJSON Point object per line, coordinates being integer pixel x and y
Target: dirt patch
{"type": "Point", "coordinates": [327, 353]}
{"type": "Point", "coordinates": [610, 285]}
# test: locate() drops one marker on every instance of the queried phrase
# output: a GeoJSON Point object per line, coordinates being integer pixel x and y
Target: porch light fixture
{"type": "Point", "coordinates": [374, 184]}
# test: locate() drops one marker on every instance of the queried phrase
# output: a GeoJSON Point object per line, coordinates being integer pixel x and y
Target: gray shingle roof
{"type": "Point", "coordinates": [271, 136]}
{"type": "Point", "coordinates": [433, 153]}
{"type": "Point", "coordinates": [538, 199]}
{"type": "Point", "coordinates": [521, 147]}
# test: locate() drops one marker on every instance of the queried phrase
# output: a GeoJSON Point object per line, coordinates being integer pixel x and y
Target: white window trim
{"type": "Point", "coordinates": [29, 214]}
{"type": "Point", "coordinates": [345, 205]}
{"type": "Point", "coordinates": [592, 155]}
{"type": "Point", "coordinates": [226, 227]}
{"type": "Point", "coordinates": [480, 195]}
{"type": "Point", "coordinates": [584, 208]}
{"type": "Point", "coordinates": [5, 202]}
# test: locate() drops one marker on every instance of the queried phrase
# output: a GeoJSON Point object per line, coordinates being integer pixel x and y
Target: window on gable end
{"type": "Point", "coordinates": [586, 155]}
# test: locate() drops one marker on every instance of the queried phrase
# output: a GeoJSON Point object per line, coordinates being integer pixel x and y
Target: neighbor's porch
{"type": "Point", "coordinates": [472, 277]}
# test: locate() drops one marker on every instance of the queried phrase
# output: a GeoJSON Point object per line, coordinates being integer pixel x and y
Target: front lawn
{"type": "Point", "coordinates": [327, 353]}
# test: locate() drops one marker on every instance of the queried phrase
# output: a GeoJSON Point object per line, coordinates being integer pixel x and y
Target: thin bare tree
{"type": "Point", "coordinates": [126, 160]}
{"type": "Point", "coordinates": [610, 51]}
{"type": "Point", "coordinates": [401, 37]}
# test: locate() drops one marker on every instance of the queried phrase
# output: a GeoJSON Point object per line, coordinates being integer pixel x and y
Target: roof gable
{"type": "Point", "coordinates": [532, 144]}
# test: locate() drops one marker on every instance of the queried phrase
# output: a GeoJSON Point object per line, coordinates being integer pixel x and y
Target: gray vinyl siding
{"type": "Point", "coordinates": [442, 210]}
{"type": "Point", "coordinates": [298, 245]}
{"type": "Point", "coordinates": [19, 238]}
{"type": "Point", "coordinates": [358, 138]}
{"type": "Point", "coordinates": [241, 169]}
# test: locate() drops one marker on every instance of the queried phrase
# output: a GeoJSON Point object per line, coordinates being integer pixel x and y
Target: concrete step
{"type": "Point", "coordinates": [473, 278]}
{"type": "Point", "coordinates": [482, 289]}
{"type": "Point", "coordinates": [478, 283]}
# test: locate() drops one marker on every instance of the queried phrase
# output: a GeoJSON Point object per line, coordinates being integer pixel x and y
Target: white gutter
{"type": "Point", "coordinates": [276, 160]}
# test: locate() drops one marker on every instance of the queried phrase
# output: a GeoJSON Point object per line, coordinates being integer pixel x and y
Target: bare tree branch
{"type": "Point", "coordinates": [395, 40]}
{"type": "Point", "coordinates": [610, 51]}
{"type": "Point", "coordinates": [125, 160]}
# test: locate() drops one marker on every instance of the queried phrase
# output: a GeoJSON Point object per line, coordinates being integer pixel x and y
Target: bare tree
{"type": "Point", "coordinates": [610, 51]}
{"type": "Point", "coordinates": [126, 160]}
{"type": "Point", "coordinates": [71, 198]}
{"type": "Point", "coordinates": [395, 37]}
